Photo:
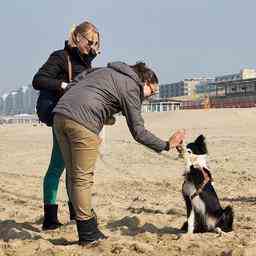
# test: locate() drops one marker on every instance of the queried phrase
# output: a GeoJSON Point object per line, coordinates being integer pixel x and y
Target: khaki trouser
{"type": "Point", "coordinates": [79, 148]}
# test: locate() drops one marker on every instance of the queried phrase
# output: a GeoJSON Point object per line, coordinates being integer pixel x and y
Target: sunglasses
{"type": "Point", "coordinates": [90, 42]}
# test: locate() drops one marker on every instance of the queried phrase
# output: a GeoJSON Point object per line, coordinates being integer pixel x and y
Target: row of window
{"type": "Point", "coordinates": [168, 91]}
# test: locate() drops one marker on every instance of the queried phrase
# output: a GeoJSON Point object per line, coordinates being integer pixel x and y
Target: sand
{"type": "Point", "coordinates": [137, 193]}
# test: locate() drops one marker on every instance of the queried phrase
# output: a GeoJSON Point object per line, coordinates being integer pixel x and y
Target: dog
{"type": "Point", "coordinates": [204, 212]}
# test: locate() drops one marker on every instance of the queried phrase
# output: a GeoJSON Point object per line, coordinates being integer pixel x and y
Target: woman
{"type": "Point", "coordinates": [51, 80]}
{"type": "Point", "coordinates": [79, 117]}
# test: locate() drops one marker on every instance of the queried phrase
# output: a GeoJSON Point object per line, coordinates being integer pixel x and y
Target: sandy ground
{"type": "Point", "coordinates": [137, 193]}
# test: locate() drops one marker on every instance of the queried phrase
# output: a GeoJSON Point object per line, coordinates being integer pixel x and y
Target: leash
{"type": "Point", "coordinates": [201, 188]}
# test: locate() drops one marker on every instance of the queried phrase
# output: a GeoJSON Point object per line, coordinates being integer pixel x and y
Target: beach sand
{"type": "Point", "coordinates": [137, 193]}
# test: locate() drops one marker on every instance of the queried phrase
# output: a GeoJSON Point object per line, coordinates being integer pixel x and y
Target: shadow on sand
{"type": "Point", "coordinates": [130, 226]}
{"type": "Point", "coordinates": [241, 199]}
{"type": "Point", "coordinates": [10, 229]}
{"type": "Point", "coordinates": [154, 211]}
{"type": "Point", "coordinates": [62, 242]}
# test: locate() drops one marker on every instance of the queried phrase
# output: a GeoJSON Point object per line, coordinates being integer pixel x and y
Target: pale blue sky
{"type": "Point", "coordinates": [178, 38]}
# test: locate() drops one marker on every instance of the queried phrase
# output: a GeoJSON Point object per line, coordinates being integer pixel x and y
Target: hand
{"type": "Point", "coordinates": [63, 85]}
{"type": "Point", "coordinates": [110, 121]}
{"type": "Point", "coordinates": [177, 139]}
{"type": "Point", "coordinates": [66, 86]}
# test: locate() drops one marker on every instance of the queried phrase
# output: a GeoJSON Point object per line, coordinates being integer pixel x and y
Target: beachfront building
{"type": "Point", "coordinates": [231, 84]}
{"type": "Point", "coordinates": [19, 119]}
{"type": "Point", "coordinates": [205, 87]}
{"type": "Point", "coordinates": [246, 73]}
{"type": "Point", "coordinates": [233, 90]}
{"type": "Point", "coordinates": [241, 83]}
{"type": "Point", "coordinates": [185, 87]}
{"type": "Point", "coordinates": [161, 105]}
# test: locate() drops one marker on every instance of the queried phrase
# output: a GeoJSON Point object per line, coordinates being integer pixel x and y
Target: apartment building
{"type": "Point", "coordinates": [181, 88]}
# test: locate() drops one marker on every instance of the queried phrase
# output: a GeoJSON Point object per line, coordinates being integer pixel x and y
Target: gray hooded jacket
{"type": "Point", "coordinates": [100, 93]}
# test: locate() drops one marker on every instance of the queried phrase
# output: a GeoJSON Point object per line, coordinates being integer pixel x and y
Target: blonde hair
{"type": "Point", "coordinates": [87, 30]}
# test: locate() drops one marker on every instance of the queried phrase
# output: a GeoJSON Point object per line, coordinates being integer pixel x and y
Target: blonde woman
{"type": "Point", "coordinates": [51, 80]}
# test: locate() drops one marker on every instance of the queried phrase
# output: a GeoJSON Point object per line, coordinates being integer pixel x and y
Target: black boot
{"type": "Point", "coordinates": [72, 214]}
{"type": "Point", "coordinates": [88, 232]}
{"type": "Point", "coordinates": [50, 217]}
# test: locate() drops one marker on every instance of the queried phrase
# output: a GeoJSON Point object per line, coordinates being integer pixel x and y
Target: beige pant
{"type": "Point", "coordinates": [79, 148]}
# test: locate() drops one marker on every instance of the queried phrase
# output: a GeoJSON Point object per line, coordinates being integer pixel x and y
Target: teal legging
{"type": "Point", "coordinates": [52, 176]}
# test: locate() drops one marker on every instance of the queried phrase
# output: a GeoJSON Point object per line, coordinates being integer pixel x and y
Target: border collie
{"type": "Point", "coordinates": [204, 212]}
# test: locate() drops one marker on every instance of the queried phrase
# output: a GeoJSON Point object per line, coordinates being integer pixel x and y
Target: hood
{"type": "Point", "coordinates": [125, 69]}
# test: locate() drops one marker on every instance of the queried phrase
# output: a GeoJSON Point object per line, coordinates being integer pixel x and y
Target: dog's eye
{"type": "Point", "coordinates": [189, 151]}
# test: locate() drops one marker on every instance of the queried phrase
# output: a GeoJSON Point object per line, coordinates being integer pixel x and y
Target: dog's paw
{"type": "Point", "coordinates": [220, 233]}
{"type": "Point", "coordinates": [186, 236]}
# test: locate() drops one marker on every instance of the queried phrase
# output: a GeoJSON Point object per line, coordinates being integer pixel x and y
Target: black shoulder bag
{"type": "Point", "coordinates": [47, 100]}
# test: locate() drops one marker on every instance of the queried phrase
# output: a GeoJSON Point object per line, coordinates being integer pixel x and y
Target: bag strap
{"type": "Point", "coordinates": [69, 67]}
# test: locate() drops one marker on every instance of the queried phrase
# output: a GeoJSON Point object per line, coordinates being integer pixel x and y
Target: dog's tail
{"type": "Point", "coordinates": [226, 220]}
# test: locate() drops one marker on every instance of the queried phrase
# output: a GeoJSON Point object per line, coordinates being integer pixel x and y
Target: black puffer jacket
{"type": "Point", "coordinates": [49, 77]}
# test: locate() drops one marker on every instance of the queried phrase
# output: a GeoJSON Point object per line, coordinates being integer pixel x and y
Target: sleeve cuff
{"type": "Point", "coordinates": [167, 147]}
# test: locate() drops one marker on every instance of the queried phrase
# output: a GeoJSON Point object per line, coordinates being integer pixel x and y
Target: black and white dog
{"type": "Point", "coordinates": [204, 212]}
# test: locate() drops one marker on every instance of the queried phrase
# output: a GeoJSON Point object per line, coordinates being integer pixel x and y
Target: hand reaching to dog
{"type": "Point", "coordinates": [176, 140]}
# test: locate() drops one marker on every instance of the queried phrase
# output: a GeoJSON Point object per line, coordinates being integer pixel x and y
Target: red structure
{"type": "Point", "coordinates": [223, 102]}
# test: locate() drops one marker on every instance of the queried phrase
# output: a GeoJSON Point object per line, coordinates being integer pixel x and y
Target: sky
{"type": "Point", "coordinates": [179, 39]}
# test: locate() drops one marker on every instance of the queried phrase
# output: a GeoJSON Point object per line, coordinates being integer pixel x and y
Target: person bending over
{"type": "Point", "coordinates": [79, 117]}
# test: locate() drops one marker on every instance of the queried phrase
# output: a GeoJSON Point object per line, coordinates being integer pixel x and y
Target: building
{"type": "Point", "coordinates": [160, 105]}
{"type": "Point", "coordinates": [22, 100]}
{"type": "Point", "coordinates": [239, 83]}
{"type": "Point", "coordinates": [3, 103]}
{"type": "Point", "coordinates": [183, 88]}
{"type": "Point", "coordinates": [243, 87]}
{"type": "Point", "coordinates": [246, 73]}
{"type": "Point", "coordinates": [205, 87]}
{"type": "Point", "coordinates": [19, 119]}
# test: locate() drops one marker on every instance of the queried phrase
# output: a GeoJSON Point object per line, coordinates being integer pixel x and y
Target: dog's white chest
{"type": "Point", "coordinates": [188, 188]}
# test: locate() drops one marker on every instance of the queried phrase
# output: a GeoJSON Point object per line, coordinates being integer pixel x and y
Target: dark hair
{"type": "Point", "coordinates": [144, 73]}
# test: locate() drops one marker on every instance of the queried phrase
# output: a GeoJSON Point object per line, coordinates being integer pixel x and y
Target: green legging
{"type": "Point", "coordinates": [53, 174]}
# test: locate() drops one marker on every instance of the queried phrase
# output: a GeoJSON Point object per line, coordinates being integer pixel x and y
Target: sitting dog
{"type": "Point", "coordinates": [204, 212]}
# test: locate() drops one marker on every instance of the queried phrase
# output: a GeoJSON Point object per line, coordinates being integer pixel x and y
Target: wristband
{"type": "Point", "coordinates": [167, 147]}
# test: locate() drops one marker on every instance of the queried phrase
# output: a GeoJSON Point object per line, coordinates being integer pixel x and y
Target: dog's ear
{"type": "Point", "coordinates": [200, 141]}
{"type": "Point", "coordinates": [198, 147]}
